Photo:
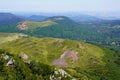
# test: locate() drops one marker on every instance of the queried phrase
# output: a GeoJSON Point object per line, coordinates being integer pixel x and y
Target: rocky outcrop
{"type": "Point", "coordinates": [25, 56]}
{"type": "Point", "coordinates": [10, 62]}
{"type": "Point", "coordinates": [60, 74]}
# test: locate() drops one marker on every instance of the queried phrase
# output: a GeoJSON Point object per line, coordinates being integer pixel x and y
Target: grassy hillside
{"type": "Point", "coordinates": [52, 21]}
{"type": "Point", "coordinates": [12, 67]}
{"type": "Point", "coordinates": [6, 37]}
{"type": "Point", "coordinates": [102, 33]}
{"type": "Point", "coordinates": [33, 25]}
{"type": "Point", "coordinates": [29, 25]}
{"type": "Point", "coordinates": [81, 60]}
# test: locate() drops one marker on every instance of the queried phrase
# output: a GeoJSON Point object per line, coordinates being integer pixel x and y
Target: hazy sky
{"type": "Point", "coordinates": [59, 5]}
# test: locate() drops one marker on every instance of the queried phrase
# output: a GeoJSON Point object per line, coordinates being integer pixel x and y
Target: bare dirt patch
{"type": "Point", "coordinates": [70, 54]}
{"type": "Point", "coordinates": [60, 62]}
{"type": "Point", "coordinates": [67, 54]}
{"type": "Point", "coordinates": [23, 25]}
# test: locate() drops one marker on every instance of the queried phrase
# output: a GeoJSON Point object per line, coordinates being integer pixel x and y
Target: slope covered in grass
{"type": "Point", "coordinates": [81, 60]}
{"type": "Point", "coordinates": [103, 33]}
{"type": "Point", "coordinates": [12, 67]}
{"type": "Point", "coordinates": [29, 25]}
{"type": "Point", "coordinates": [5, 37]}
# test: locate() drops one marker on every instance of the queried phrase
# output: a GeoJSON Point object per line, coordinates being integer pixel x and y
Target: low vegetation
{"type": "Point", "coordinates": [93, 62]}
{"type": "Point", "coordinates": [6, 37]}
{"type": "Point", "coordinates": [37, 56]}
{"type": "Point", "coordinates": [104, 33]}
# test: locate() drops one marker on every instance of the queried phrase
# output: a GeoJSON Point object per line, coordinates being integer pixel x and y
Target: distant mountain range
{"type": "Point", "coordinates": [59, 48]}
{"type": "Point", "coordinates": [84, 18]}
{"type": "Point", "coordinates": [93, 30]}
{"type": "Point", "coordinates": [36, 18]}
{"type": "Point", "coordinates": [8, 19]}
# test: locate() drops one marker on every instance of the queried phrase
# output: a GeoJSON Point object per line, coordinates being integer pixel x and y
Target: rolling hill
{"type": "Point", "coordinates": [8, 19]}
{"type": "Point", "coordinates": [29, 25]}
{"type": "Point", "coordinates": [105, 32]}
{"type": "Point", "coordinates": [42, 56]}
{"type": "Point", "coordinates": [81, 60]}
{"type": "Point", "coordinates": [36, 18]}
{"type": "Point", "coordinates": [84, 18]}
{"type": "Point", "coordinates": [51, 21]}
{"type": "Point", "coordinates": [6, 37]}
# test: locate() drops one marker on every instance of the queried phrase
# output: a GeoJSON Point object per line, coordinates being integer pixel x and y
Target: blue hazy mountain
{"type": "Point", "coordinates": [8, 18]}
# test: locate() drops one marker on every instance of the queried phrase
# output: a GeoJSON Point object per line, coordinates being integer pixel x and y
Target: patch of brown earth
{"type": "Point", "coordinates": [67, 54]}
{"type": "Point", "coordinates": [70, 54]}
{"type": "Point", "coordinates": [60, 62]}
{"type": "Point", "coordinates": [23, 25]}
